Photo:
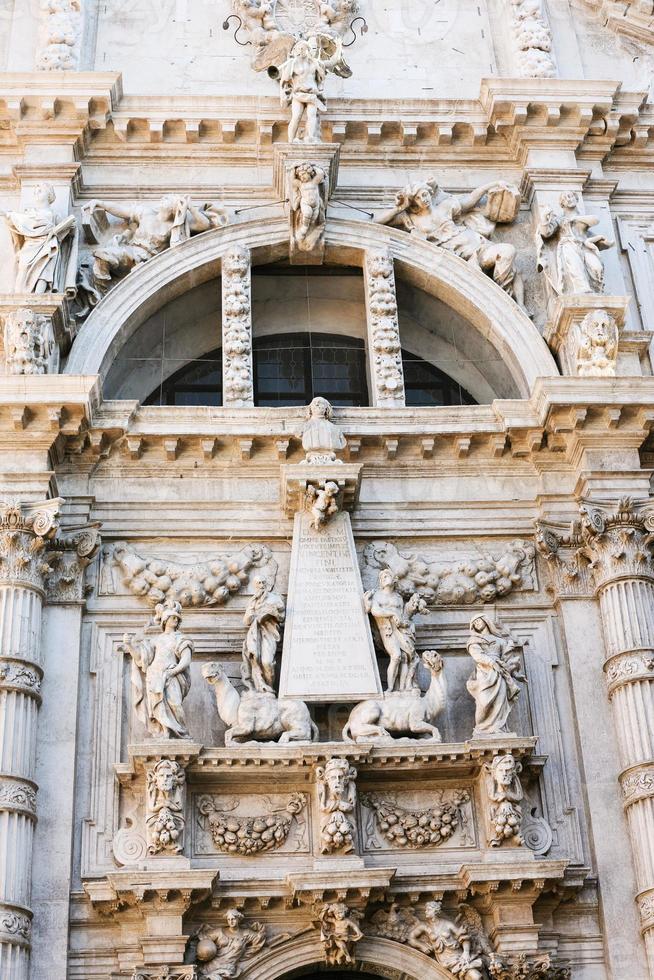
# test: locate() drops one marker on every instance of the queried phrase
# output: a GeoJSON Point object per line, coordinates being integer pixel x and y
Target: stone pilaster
{"type": "Point", "coordinates": [24, 535]}
{"type": "Point", "coordinates": [384, 346]}
{"type": "Point", "coordinates": [618, 545]}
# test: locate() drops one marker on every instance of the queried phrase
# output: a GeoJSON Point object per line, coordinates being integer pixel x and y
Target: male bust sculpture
{"type": "Point", "coordinates": [321, 439]}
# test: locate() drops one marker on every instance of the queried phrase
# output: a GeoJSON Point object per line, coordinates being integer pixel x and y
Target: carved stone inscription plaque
{"type": "Point", "coordinates": [328, 653]}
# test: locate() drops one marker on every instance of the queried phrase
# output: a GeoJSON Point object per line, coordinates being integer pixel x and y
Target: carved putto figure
{"type": "Point", "coordinates": [161, 672]}
{"type": "Point", "coordinates": [220, 952]}
{"type": "Point", "coordinates": [337, 797]}
{"type": "Point", "coordinates": [150, 229]}
{"type": "Point", "coordinates": [401, 713]}
{"type": "Point", "coordinates": [308, 204]}
{"type": "Point", "coordinates": [568, 253]}
{"type": "Point", "coordinates": [460, 226]}
{"type": "Point", "coordinates": [504, 790]}
{"type": "Point", "coordinates": [323, 503]}
{"type": "Point", "coordinates": [43, 250]}
{"type": "Point", "coordinates": [263, 616]}
{"type": "Point", "coordinates": [597, 350]}
{"type": "Point", "coordinates": [339, 931]}
{"type": "Point", "coordinates": [28, 342]}
{"type": "Point", "coordinates": [165, 817]}
{"type": "Point", "coordinates": [321, 439]}
{"type": "Point", "coordinates": [494, 684]}
{"type": "Point", "coordinates": [302, 81]}
{"type": "Point", "coordinates": [394, 619]}
{"type": "Point", "coordinates": [448, 943]}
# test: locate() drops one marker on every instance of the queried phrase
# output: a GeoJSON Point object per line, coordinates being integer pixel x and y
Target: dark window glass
{"type": "Point", "coordinates": [291, 369]}
{"type": "Point", "coordinates": [427, 386]}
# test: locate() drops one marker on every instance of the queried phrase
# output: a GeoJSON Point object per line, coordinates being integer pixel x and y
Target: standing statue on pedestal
{"type": "Point", "coordinates": [161, 672]}
{"type": "Point", "coordinates": [493, 684]}
{"type": "Point", "coordinates": [263, 616]}
{"type": "Point", "coordinates": [567, 253]}
{"type": "Point", "coordinates": [448, 943]}
{"type": "Point", "coordinates": [43, 248]}
{"type": "Point", "coordinates": [460, 226]}
{"type": "Point", "coordinates": [302, 80]}
{"type": "Point", "coordinates": [394, 619]}
{"type": "Point", "coordinates": [321, 439]}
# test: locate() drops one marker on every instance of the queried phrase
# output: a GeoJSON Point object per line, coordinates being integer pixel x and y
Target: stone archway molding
{"type": "Point", "coordinates": [380, 957]}
{"type": "Point", "coordinates": [438, 272]}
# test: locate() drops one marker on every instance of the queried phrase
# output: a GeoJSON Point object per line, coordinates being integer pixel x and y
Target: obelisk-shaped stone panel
{"type": "Point", "coordinates": [328, 653]}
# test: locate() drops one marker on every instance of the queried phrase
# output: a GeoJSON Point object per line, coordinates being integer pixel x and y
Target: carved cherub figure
{"type": "Point", "coordinates": [339, 931]}
{"type": "Point", "coordinates": [323, 503]}
{"type": "Point", "coordinates": [308, 205]}
{"type": "Point", "coordinates": [394, 619]}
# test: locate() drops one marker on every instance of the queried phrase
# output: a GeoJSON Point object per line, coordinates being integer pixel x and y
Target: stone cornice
{"type": "Point", "coordinates": [510, 117]}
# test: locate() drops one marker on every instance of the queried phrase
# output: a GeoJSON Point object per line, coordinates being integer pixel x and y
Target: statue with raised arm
{"type": "Point", "coordinates": [161, 672]}
{"type": "Point", "coordinates": [43, 248]}
{"type": "Point", "coordinates": [394, 619]}
{"type": "Point", "coordinates": [461, 226]}
{"type": "Point", "coordinates": [150, 229]}
{"type": "Point", "coordinates": [263, 616]}
{"type": "Point", "coordinates": [448, 943]}
{"type": "Point", "coordinates": [302, 81]}
{"type": "Point", "coordinates": [568, 253]}
{"type": "Point", "coordinates": [493, 685]}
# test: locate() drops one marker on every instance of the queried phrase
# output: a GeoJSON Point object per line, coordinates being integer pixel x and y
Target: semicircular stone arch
{"type": "Point", "coordinates": [375, 956]}
{"type": "Point", "coordinates": [439, 273]}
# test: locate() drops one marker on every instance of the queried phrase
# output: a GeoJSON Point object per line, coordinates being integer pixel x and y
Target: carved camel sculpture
{"type": "Point", "coordinates": [258, 717]}
{"type": "Point", "coordinates": [401, 712]}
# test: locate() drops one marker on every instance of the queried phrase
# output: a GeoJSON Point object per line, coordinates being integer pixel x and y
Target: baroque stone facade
{"type": "Point", "coordinates": [326, 454]}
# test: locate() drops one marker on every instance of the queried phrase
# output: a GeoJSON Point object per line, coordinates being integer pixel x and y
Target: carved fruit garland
{"type": "Point", "coordinates": [418, 828]}
{"type": "Point", "coordinates": [250, 835]}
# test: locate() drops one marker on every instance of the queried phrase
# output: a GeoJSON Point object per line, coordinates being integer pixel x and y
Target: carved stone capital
{"type": "Point", "coordinates": [559, 544]}
{"type": "Point", "coordinates": [646, 909]}
{"type": "Point", "coordinates": [73, 551]}
{"type": "Point", "coordinates": [25, 531]}
{"type": "Point", "coordinates": [617, 541]}
{"type": "Point", "coordinates": [166, 973]}
{"type": "Point", "coordinates": [637, 784]}
{"type": "Point", "coordinates": [18, 796]}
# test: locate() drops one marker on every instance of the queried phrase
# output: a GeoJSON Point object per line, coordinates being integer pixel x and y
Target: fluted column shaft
{"type": "Point", "coordinates": [619, 547]}
{"type": "Point", "coordinates": [23, 547]}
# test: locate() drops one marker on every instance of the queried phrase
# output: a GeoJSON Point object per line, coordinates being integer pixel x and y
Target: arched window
{"type": "Point", "coordinates": [292, 368]}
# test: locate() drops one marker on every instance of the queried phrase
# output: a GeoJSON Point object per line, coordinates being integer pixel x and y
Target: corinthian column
{"type": "Point", "coordinates": [24, 542]}
{"type": "Point", "coordinates": [619, 548]}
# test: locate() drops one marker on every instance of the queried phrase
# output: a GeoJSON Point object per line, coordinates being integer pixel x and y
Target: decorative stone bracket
{"type": "Point", "coordinates": [296, 480]}
{"type": "Point", "coordinates": [36, 330]}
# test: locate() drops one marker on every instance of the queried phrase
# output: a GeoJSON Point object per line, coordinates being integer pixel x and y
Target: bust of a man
{"type": "Point", "coordinates": [321, 439]}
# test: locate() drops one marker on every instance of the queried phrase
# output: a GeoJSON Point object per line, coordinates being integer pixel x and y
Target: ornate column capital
{"type": "Point", "coordinates": [617, 541]}
{"type": "Point", "coordinates": [25, 530]}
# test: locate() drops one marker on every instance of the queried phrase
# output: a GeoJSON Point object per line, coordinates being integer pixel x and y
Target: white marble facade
{"type": "Point", "coordinates": [338, 669]}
